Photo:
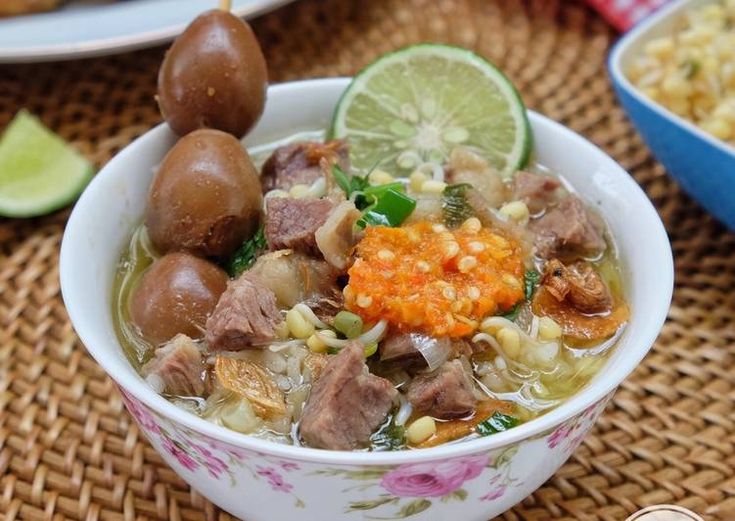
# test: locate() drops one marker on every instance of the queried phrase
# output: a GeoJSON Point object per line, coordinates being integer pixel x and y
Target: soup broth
{"type": "Point", "coordinates": [517, 361]}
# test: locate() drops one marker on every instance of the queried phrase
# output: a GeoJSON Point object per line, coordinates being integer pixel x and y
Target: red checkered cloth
{"type": "Point", "coordinates": [623, 14]}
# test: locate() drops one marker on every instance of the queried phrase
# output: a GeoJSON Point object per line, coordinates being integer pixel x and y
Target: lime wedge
{"type": "Point", "coordinates": [415, 105]}
{"type": "Point", "coordinates": [39, 172]}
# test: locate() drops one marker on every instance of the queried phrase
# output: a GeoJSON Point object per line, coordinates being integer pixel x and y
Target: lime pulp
{"type": "Point", "coordinates": [39, 171]}
{"type": "Point", "coordinates": [415, 105]}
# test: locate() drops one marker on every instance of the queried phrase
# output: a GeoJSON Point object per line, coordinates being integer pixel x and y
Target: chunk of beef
{"type": "Point", "coordinates": [465, 166]}
{"type": "Point", "coordinates": [298, 163]}
{"type": "Point", "coordinates": [337, 236]}
{"type": "Point", "coordinates": [245, 316]}
{"type": "Point", "coordinates": [445, 393]}
{"type": "Point", "coordinates": [405, 349]}
{"type": "Point", "coordinates": [294, 277]}
{"type": "Point", "coordinates": [568, 230]}
{"type": "Point", "coordinates": [536, 190]}
{"type": "Point", "coordinates": [579, 284]}
{"type": "Point", "coordinates": [292, 223]}
{"type": "Point", "coordinates": [346, 404]}
{"type": "Point", "coordinates": [176, 368]}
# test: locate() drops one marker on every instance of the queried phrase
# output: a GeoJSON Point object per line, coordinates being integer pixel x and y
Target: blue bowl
{"type": "Point", "coordinates": [703, 165]}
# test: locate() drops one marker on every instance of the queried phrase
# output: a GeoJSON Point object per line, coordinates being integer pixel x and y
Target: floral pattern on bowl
{"type": "Point", "coordinates": [371, 491]}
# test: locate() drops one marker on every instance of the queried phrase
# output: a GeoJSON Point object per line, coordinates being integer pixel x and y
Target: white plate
{"type": "Point", "coordinates": [100, 27]}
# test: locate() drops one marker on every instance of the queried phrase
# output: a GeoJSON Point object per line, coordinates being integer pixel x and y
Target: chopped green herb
{"type": "Point", "coordinates": [496, 423]}
{"type": "Point", "coordinates": [390, 209]}
{"type": "Point", "coordinates": [386, 205]}
{"type": "Point", "coordinates": [349, 183]}
{"type": "Point", "coordinates": [389, 437]}
{"type": "Point", "coordinates": [455, 207]}
{"type": "Point", "coordinates": [245, 255]}
{"type": "Point", "coordinates": [512, 314]}
{"type": "Point", "coordinates": [333, 350]}
{"type": "Point", "coordinates": [531, 279]}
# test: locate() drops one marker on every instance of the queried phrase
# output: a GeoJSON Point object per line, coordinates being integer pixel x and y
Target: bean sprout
{"type": "Point", "coordinates": [374, 334]}
{"type": "Point", "coordinates": [309, 315]}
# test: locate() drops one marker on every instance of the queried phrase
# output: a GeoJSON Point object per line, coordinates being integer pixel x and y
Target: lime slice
{"type": "Point", "coordinates": [39, 172]}
{"type": "Point", "coordinates": [415, 105]}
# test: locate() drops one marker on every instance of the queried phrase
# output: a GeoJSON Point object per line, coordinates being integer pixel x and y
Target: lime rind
{"type": "Point", "coordinates": [39, 172]}
{"type": "Point", "coordinates": [378, 111]}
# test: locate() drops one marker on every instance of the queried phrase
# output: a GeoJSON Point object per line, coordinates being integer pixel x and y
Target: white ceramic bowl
{"type": "Point", "coordinates": [259, 480]}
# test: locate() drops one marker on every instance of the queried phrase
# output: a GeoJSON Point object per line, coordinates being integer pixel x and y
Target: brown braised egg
{"type": "Point", "coordinates": [213, 76]}
{"type": "Point", "coordinates": [175, 295]}
{"type": "Point", "coordinates": [206, 196]}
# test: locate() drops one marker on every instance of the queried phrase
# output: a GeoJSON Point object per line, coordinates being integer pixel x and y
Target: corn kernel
{"type": "Point", "coordinates": [472, 225]}
{"type": "Point", "coordinates": [298, 325]}
{"type": "Point", "coordinates": [421, 430]}
{"type": "Point", "coordinates": [516, 210]}
{"type": "Point", "coordinates": [433, 187]}
{"type": "Point", "coordinates": [416, 180]}
{"type": "Point", "coordinates": [298, 190]}
{"type": "Point", "coordinates": [380, 177]}
{"type": "Point", "coordinates": [510, 341]}
{"type": "Point", "coordinates": [466, 263]}
{"type": "Point", "coordinates": [548, 329]}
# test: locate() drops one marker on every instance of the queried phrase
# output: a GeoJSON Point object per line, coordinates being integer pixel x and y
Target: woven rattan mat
{"type": "Point", "coordinates": [69, 450]}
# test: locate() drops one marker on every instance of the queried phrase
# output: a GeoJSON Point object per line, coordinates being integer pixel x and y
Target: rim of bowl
{"type": "Point", "coordinates": [640, 32]}
{"type": "Point", "coordinates": [591, 394]}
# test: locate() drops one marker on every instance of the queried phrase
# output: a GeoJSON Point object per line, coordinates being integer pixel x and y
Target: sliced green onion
{"type": "Point", "coordinates": [390, 209]}
{"type": "Point", "coordinates": [379, 190]}
{"type": "Point", "coordinates": [498, 422]}
{"type": "Point", "coordinates": [349, 324]}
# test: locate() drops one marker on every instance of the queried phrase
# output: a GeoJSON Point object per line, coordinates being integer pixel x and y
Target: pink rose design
{"type": "Point", "coordinates": [558, 436]}
{"type": "Point", "coordinates": [289, 466]}
{"type": "Point", "coordinates": [215, 466]}
{"type": "Point", "coordinates": [180, 454]}
{"type": "Point", "coordinates": [144, 418]}
{"type": "Point", "coordinates": [228, 449]}
{"type": "Point", "coordinates": [433, 479]}
{"type": "Point", "coordinates": [494, 494]}
{"type": "Point", "coordinates": [275, 480]}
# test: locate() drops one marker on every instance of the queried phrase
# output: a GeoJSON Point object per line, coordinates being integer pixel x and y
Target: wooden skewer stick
{"type": "Point", "coordinates": [225, 5]}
